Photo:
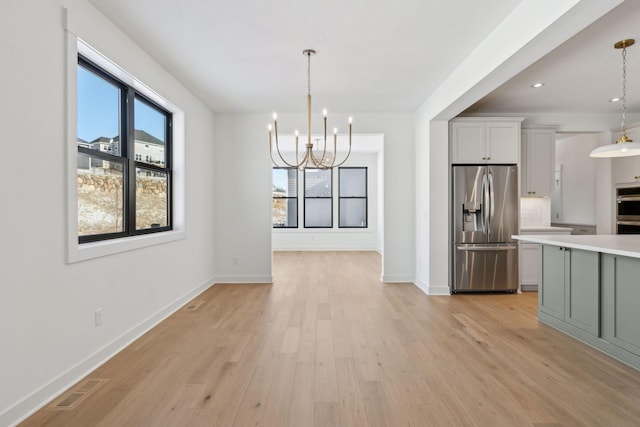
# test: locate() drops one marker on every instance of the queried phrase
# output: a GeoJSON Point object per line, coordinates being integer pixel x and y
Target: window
{"type": "Point", "coordinates": [118, 194]}
{"type": "Point", "coordinates": [318, 202]}
{"type": "Point", "coordinates": [352, 206]}
{"type": "Point", "coordinates": [285, 198]}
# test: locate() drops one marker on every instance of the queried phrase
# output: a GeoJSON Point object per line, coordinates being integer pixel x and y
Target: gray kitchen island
{"type": "Point", "coordinates": [590, 290]}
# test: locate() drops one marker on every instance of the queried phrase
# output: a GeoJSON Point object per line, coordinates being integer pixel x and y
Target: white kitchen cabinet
{"type": "Point", "coordinates": [538, 153]}
{"type": "Point", "coordinates": [626, 169]}
{"type": "Point", "coordinates": [486, 140]}
{"type": "Point", "coordinates": [529, 256]}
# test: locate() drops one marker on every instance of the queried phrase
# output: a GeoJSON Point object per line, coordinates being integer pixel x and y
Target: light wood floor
{"type": "Point", "coordinates": [329, 345]}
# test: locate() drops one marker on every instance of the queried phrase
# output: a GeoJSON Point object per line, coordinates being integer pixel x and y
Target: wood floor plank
{"type": "Point", "coordinates": [301, 408]}
{"type": "Point", "coordinates": [327, 344]}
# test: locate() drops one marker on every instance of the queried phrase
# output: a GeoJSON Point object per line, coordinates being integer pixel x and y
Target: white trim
{"type": "Point", "coordinates": [328, 248]}
{"type": "Point", "coordinates": [433, 290]}
{"type": "Point", "coordinates": [243, 279]}
{"type": "Point", "coordinates": [438, 290]}
{"type": "Point", "coordinates": [24, 408]}
{"type": "Point", "coordinates": [396, 279]}
{"type": "Point", "coordinates": [422, 286]}
{"type": "Point", "coordinates": [75, 251]}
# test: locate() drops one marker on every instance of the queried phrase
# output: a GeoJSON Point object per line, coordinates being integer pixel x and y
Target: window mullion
{"type": "Point", "coordinates": [129, 136]}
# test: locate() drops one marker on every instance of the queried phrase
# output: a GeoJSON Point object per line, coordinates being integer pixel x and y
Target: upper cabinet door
{"type": "Point", "coordinates": [485, 141]}
{"type": "Point", "coordinates": [537, 162]}
{"type": "Point", "coordinates": [502, 142]}
{"type": "Point", "coordinates": [467, 142]}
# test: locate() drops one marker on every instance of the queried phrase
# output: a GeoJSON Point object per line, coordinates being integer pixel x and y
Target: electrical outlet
{"type": "Point", "coordinates": [98, 316]}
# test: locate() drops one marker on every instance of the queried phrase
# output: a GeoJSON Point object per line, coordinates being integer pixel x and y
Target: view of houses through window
{"type": "Point", "coordinates": [318, 198]}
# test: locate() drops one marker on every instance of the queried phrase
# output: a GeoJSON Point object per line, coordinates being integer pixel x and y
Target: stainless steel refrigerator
{"type": "Point", "coordinates": [485, 216]}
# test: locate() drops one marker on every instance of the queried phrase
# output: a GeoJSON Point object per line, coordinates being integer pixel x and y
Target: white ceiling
{"type": "Point", "coordinates": [580, 76]}
{"type": "Point", "coordinates": [373, 55]}
{"type": "Point", "coordinates": [246, 55]}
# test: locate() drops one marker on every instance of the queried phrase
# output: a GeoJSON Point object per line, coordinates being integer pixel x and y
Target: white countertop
{"type": "Point", "coordinates": [625, 244]}
{"type": "Point", "coordinates": [537, 228]}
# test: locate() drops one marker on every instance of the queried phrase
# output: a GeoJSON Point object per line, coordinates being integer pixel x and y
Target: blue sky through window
{"type": "Point", "coordinates": [99, 110]}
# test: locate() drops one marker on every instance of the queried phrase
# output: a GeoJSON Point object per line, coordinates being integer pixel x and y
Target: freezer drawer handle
{"type": "Point", "coordinates": [486, 248]}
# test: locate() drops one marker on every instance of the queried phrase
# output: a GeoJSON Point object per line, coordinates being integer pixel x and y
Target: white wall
{"type": "Point", "coordinates": [336, 238]}
{"type": "Point", "coordinates": [47, 306]}
{"type": "Point", "coordinates": [243, 186]}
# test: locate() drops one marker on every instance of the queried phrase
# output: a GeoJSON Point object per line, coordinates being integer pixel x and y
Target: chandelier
{"type": "Point", "coordinates": [312, 159]}
{"type": "Point", "coordinates": [624, 147]}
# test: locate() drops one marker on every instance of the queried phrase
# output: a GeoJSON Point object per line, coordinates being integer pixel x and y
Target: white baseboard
{"type": "Point", "coordinates": [438, 290]}
{"type": "Point", "coordinates": [396, 279]}
{"type": "Point", "coordinates": [433, 290]}
{"type": "Point", "coordinates": [325, 249]}
{"type": "Point", "coordinates": [422, 286]}
{"type": "Point", "coordinates": [37, 399]}
{"type": "Point", "coordinates": [243, 279]}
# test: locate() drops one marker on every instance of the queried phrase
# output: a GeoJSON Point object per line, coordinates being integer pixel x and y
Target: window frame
{"type": "Point", "coordinates": [76, 252]}
{"type": "Point", "coordinates": [287, 198]}
{"type": "Point", "coordinates": [330, 198]}
{"type": "Point", "coordinates": [128, 95]}
{"type": "Point", "coordinates": [365, 197]}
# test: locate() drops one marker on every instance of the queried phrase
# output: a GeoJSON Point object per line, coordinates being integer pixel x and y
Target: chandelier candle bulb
{"type": "Point", "coordinates": [325, 125]}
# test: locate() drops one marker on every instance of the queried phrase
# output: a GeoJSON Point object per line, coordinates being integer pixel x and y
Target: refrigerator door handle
{"type": "Point", "coordinates": [491, 197]}
{"type": "Point", "coordinates": [485, 203]}
{"type": "Point", "coordinates": [486, 247]}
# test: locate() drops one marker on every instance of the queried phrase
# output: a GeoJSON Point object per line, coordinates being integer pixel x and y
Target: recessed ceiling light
{"type": "Point", "coordinates": [537, 85]}
{"type": "Point", "coordinates": [616, 99]}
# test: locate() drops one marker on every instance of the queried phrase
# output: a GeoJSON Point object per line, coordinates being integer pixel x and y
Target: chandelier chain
{"type": "Point", "coordinates": [309, 73]}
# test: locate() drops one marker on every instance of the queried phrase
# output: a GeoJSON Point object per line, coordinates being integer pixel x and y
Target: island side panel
{"type": "Point", "coordinates": [621, 302]}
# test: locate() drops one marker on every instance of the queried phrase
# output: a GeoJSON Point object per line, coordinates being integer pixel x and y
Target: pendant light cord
{"type": "Point", "coordinates": [624, 90]}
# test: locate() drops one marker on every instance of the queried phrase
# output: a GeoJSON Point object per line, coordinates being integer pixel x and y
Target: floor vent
{"type": "Point", "coordinates": [71, 399]}
{"type": "Point", "coordinates": [193, 305]}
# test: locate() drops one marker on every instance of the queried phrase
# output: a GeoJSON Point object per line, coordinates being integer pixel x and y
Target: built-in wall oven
{"type": "Point", "coordinates": [628, 210]}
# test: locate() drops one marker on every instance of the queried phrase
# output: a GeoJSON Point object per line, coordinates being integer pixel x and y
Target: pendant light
{"type": "Point", "coordinates": [624, 147]}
